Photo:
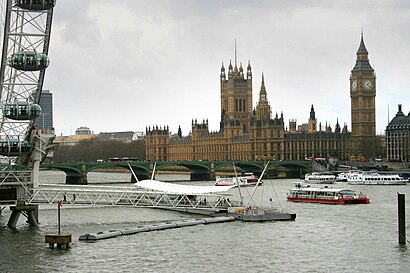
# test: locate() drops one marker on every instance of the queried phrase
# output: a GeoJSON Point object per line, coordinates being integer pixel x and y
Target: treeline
{"type": "Point", "coordinates": [91, 150]}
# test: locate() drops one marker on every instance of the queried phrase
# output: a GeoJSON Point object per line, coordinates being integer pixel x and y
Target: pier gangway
{"type": "Point", "coordinates": [129, 196]}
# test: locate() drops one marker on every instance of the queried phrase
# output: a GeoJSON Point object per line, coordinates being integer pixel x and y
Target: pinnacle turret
{"type": "Point", "coordinates": [362, 60]}
{"type": "Point", "coordinates": [312, 113]}
{"type": "Point", "coordinates": [362, 48]}
{"type": "Point", "coordinates": [262, 92]}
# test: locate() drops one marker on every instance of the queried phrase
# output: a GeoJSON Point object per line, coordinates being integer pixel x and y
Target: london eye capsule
{"type": "Point", "coordinates": [35, 4]}
{"type": "Point", "coordinates": [14, 147]}
{"type": "Point", "coordinates": [22, 111]}
{"type": "Point", "coordinates": [28, 61]}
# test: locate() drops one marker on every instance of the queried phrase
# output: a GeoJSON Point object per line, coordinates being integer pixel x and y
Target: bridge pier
{"type": "Point", "coordinates": [293, 173]}
{"type": "Point", "coordinates": [212, 174]}
{"type": "Point", "coordinates": [133, 180]}
{"type": "Point", "coordinates": [75, 179]}
{"type": "Point", "coordinates": [29, 211]}
{"type": "Point", "coordinates": [140, 176]}
{"type": "Point", "coordinates": [200, 176]}
{"type": "Point", "coordinates": [83, 173]}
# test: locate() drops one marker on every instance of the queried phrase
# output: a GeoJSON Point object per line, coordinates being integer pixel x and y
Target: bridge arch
{"type": "Point", "coordinates": [73, 172]}
{"type": "Point", "coordinates": [76, 173]}
{"type": "Point", "coordinates": [294, 169]}
{"type": "Point", "coordinates": [141, 170]}
{"type": "Point", "coordinates": [199, 170]}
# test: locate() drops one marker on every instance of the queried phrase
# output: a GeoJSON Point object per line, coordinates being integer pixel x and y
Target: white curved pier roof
{"type": "Point", "coordinates": [180, 189]}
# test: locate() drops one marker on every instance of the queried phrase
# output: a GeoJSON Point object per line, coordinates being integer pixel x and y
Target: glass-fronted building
{"type": "Point", "coordinates": [45, 120]}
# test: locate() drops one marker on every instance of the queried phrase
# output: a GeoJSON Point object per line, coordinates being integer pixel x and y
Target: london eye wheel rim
{"type": "Point", "coordinates": [25, 41]}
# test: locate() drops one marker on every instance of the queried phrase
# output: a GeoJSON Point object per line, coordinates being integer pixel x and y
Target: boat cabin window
{"type": "Point", "coordinates": [347, 193]}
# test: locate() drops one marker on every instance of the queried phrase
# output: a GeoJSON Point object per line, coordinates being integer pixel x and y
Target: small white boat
{"type": "Point", "coordinates": [372, 178]}
{"type": "Point", "coordinates": [320, 178]}
{"type": "Point", "coordinates": [245, 180]}
{"type": "Point", "coordinates": [342, 177]}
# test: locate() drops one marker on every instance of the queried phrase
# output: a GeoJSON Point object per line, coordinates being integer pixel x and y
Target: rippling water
{"type": "Point", "coordinates": [324, 238]}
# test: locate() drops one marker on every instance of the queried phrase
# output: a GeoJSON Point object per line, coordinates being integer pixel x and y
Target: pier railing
{"type": "Point", "coordinates": [124, 196]}
{"type": "Point", "coordinates": [16, 184]}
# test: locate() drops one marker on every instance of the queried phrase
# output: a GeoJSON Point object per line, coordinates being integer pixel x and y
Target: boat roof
{"type": "Point", "coordinates": [319, 175]}
{"type": "Point", "coordinates": [300, 186]}
{"type": "Point", "coordinates": [320, 189]}
{"type": "Point", "coordinates": [181, 189]}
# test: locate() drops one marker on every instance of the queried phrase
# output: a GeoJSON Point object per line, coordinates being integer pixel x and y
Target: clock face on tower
{"type": "Point", "coordinates": [354, 85]}
{"type": "Point", "coordinates": [367, 84]}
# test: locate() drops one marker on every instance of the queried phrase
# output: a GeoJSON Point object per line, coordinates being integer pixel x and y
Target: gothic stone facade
{"type": "Point", "coordinates": [398, 137]}
{"type": "Point", "coordinates": [253, 134]}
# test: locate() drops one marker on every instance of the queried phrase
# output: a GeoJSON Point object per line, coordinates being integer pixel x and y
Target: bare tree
{"type": "Point", "coordinates": [91, 150]}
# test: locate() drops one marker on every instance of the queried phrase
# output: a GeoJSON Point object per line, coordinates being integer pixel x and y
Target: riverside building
{"type": "Point", "coordinates": [398, 137]}
{"type": "Point", "coordinates": [247, 133]}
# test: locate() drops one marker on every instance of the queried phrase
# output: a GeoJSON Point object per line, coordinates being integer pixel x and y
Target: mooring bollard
{"type": "Point", "coordinates": [58, 239]}
{"type": "Point", "coordinates": [402, 218]}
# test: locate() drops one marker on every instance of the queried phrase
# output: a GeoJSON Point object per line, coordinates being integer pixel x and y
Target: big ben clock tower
{"type": "Point", "coordinates": [363, 105]}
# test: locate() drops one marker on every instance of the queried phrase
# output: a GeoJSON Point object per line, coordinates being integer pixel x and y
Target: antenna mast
{"type": "Point", "coordinates": [235, 52]}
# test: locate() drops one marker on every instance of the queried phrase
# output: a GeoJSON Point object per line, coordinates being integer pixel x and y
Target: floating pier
{"type": "Point", "coordinates": [152, 227]}
{"type": "Point", "coordinates": [58, 239]}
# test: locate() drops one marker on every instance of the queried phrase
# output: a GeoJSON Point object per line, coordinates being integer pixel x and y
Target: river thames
{"type": "Point", "coordinates": [324, 238]}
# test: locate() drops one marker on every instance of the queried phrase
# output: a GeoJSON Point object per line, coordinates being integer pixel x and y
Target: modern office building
{"type": "Point", "coordinates": [45, 121]}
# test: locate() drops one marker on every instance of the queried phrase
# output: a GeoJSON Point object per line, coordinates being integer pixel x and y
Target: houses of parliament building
{"type": "Point", "coordinates": [248, 133]}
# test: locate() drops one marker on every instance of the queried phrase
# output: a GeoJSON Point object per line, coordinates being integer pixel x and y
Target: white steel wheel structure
{"type": "Point", "coordinates": [25, 42]}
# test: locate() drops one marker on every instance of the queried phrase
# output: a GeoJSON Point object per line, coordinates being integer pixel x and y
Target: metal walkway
{"type": "Point", "coordinates": [128, 196]}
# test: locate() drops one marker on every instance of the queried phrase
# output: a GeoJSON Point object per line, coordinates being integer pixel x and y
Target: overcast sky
{"type": "Point", "coordinates": [125, 65]}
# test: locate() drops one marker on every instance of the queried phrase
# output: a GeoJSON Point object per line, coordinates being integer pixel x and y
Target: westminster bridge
{"type": "Point", "coordinates": [76, 172]}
